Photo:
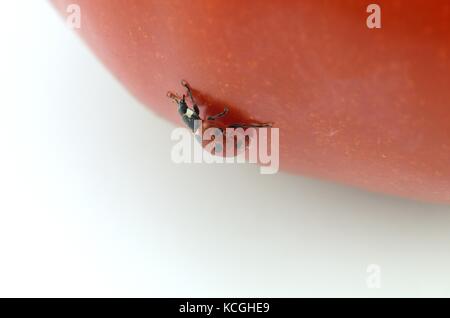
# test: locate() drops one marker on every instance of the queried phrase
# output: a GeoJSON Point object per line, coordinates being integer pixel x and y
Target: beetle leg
{"type": "Point", "coordinates": [261, 125]}
{"type": "Point", "coordinates": [219, 115]}
{"type": "Point", "coordinates": [252, 125]}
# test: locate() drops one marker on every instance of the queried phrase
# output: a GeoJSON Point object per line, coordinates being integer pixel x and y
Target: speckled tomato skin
{"type": "Point", "coordinates": [369, 108]}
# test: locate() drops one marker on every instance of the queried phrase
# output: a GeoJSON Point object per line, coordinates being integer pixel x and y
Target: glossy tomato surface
{"type": "Point", "coordinates": [366, 107]}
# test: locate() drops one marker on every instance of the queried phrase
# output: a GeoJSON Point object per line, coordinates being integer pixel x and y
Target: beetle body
{"type": "Point", "coordinates": [238, 133]}
{"type": "Point", "coordinates": [189, 116]}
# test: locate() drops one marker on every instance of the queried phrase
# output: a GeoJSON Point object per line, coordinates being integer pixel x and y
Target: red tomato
{"type": "Point", "coordinates": [366, 107]}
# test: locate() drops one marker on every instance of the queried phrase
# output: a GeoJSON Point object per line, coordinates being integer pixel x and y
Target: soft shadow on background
{"type": "Point", "coordinates": [92, 205]}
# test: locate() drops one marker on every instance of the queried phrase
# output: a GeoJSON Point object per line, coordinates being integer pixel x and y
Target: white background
{"type": "Point", "coordinates": [91, 204]}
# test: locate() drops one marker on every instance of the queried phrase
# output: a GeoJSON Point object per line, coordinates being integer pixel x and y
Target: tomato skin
{"type": "Point", "coordinates": [369, 108]}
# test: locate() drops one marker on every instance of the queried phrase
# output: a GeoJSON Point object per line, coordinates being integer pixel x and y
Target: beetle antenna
{"type": "Point", "coordinates": [185, 83]}
{"type": "Point", "coordinates": [173, 96]}
{"type": "Point", "coordinates": [189, 90]}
